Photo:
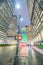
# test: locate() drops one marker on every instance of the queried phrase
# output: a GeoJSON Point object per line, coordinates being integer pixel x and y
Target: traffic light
{"type": "Point", "coordinates": [18, 37]}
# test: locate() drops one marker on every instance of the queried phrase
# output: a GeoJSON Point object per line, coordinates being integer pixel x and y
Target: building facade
{"type": "Point", "coordinates": [8, 20]}
{"type": "Point", "coordinates": [36, 17]}
{"type": "Point", "coordinates": [6, 15]}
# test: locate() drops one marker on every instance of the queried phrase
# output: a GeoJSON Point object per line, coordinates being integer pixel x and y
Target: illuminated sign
{"type": "Point", "coordinates": [24, 38]}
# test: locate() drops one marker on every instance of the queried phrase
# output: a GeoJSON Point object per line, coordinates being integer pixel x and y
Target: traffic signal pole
{"type": "Point", "coordinates": [17, 49]}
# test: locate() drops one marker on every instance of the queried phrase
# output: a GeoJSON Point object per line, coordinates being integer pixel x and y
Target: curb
{"type": "Point", "coordinates": [38, 50]}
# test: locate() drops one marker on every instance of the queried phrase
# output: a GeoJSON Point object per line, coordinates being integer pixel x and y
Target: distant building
{"type": "Point", "coordinates": [29, 35]}
{"type": "Point", "coordinates": [35, 8]}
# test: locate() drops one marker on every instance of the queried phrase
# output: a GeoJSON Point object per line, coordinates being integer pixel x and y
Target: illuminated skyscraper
{"type": "Point", "coordinates": [35, 8]}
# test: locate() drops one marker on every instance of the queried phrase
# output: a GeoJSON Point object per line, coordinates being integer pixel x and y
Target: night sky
{"type": "Point", "coordinates": [23, 11]}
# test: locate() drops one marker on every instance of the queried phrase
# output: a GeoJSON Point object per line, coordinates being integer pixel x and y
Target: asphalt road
{"type": "Point", "coordinates": [7, 54]}
{"type": "Point", "coordinates": [28, 56]}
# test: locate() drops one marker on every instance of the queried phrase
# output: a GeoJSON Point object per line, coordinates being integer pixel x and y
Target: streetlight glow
{"type": "Point", "coordinates": [18, 6]}
{"type": "Point", "coordinates": [21, 19]}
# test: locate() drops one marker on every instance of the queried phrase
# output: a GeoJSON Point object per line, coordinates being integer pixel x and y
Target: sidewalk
{"type": "Point", "coordinates": [38, 50]}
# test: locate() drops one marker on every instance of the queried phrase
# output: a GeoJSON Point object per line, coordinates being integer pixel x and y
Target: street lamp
{"type": "Point", "coordinates": [20, 19]}
{"type": "Point", "coordinates": [18, 6]}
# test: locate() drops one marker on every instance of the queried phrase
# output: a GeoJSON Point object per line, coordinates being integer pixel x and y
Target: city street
{"type": "Point", "coordinates": [7, 54]}
{"type": "Point", "coordinates": [21, 32]}
{"type": "Point", "coordinates": [29, 57]}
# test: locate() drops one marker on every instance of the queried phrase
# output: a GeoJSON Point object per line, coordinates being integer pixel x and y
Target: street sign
{"type": "Point", "coordinates": [24, 37]}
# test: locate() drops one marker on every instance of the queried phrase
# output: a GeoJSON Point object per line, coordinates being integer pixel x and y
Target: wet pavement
{"type": "Point", "coordinates": [37, 58]}
{"type": "Point", "coordinates": [28, 56]}
{"type": "Point", "coordinates": [7, 54]}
